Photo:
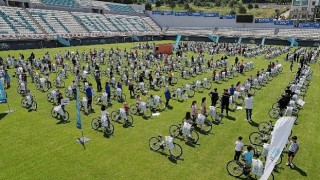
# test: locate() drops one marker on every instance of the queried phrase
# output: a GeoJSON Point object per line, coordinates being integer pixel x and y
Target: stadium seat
{"type": "Point", "coordinates": [65, 3]}
{"type": "Point", "coordinates": [120, 7]}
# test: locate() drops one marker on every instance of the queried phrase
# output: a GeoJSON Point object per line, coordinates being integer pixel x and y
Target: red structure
{"type": "Point", "coordinates": [164, 49]}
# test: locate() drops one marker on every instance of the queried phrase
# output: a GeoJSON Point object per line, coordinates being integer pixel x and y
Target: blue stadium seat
{"type": "Point", "coordinates": [66, 3]}
{"type": "Point", "coordinates": [120, 8]}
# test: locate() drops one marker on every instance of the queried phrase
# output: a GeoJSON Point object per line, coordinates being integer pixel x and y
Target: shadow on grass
{"type": "Point", "coordinates": [63, 122]}
{"type": "Point", "coordinates": [302, 172]}
{"type": "Point", "coordinates": [170, 157]}
{"type": "Point", "coordinates": [169, 107]}
{"type": "Point", "coordinates": [230, 118]}
{"type": "Point", "coordinates": [2, 115]}
{"type": "Point", "coordinates": [252, 123]}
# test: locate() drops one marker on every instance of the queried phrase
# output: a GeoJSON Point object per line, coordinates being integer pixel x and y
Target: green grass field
{"type": "Point", "coordinates": [33, 145]}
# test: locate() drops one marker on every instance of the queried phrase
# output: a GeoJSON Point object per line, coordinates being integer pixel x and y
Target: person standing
{"type": "Point", "coordinates": [293, 149]}
{"type": "Point", "coordinates": [108, 91]}
{"type": "Point", "coordinates": [167, 95]}
{"type": "Point", "coordinates": [130, 87]}
{"type": "Point", "coordinates": [238, 148]}
{"type": "Point", "coordinates": [98, 80]}
{"type": "Point", "coordinates": [89, 97]}
{"type": "Point", "coordinates": [214, 97]}
{"type": "Point", "coordinates": [225, 102]}
{"type": "Point", "coordinates": [249, 103]}
{"type": "Point", "coordinates": [203, 106]}
{"type": "Point", "coordinates": [291, 66]}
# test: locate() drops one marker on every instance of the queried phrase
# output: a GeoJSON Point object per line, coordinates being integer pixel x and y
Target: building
{"type": "Point", "coordinates": [304, 10]}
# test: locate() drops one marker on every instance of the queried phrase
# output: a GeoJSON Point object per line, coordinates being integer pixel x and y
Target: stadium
{"type": "Point", "coordinates": [159, 89]}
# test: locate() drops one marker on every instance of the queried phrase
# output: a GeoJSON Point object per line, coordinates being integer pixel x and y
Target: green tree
{"type": "Point", "coordinates": [172, 5]}
{"type": "Point", "coordinates": [277, 11]}
{"type": "Point", "coordinates": [250, 6]}
{"type": "Point", "coordinates": [158, 3]}
{"type": "Point", "coordinates": [232, 11]}
{"type": "Point", "coordinates": [148, 7]}
{"type": "Point", "coordinates": [242, 10]}
{"type": "Point", "coordinates": [186, 6]}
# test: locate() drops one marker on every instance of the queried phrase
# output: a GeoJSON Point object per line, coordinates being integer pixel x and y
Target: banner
{"type": "Point", "coordinates": [211, 14]}
{"type": "Point", "coordinates": [263, 20]}
{"type": "Point", "coordinates": [228, 16]}
{"type": "Point", "coordinates": [167, 13]}
{"type": "Point", "coordinates": [79, 125]}
{"type": "Point", "coordinates": [197, 14]}
{"type": "Point", "coordinates": [3, 95]}
{"type": "Point", "coordinates": [280, 135]}
{"type": "Point", "coordinates": [309, 25]}
{"type": "Point", "coordinates": [181, 13]}
{"type": "Point", "coordinates": [283, 23]}
{"type": "Point", "coordinates": [156, 12]}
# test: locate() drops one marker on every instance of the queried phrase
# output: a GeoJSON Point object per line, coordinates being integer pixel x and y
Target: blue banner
{"type": "Point", "coordinates": [263, 20]}
{"type": "Point", "coordinates": [156, 12]}
{"type": "Point", "coordinates": [181, 13]}
{"type": "Point", "coordinates": [228, 16]}
{"type": "Point", "coordinates": [79, 124]}
{"type": "Point", "coordinates": [197, 14]}
{"type": "Point", "coordinates": [283, 23]}
{"type": "Point", "coordinates": [167, 13]}
{"type": "Point", "coordinates": [309, 25]}
{"type": "Point", "coordinates": [211, 14]}
{"type": "Point", "coordinates": [3, 95]}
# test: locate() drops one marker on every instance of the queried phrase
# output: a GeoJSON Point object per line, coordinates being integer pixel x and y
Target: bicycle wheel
{"type": "Point", "coordinates": [174, 131]}
{"type": "Point", "coordinates": [174, 80]}
{"type": "Point", "coordinates": [147, 113]}
{"type": "Point", "coordinates": [54, 113]}
{"type": "Point", "coordinates": [217, 118]}
{"type": "Point", "coordinates": [234, 168]}
{"type": "Point", "coordinates": [108, 130]}
{"type": "Point", "coordinates": [154, 143]}
{"type": "Point", "coordinates": [199, 89]}
{"type": "Point", "coordinates": [273, 113]}
{"type": "Point", "coordinates": [279, 160]}
{"type": "Point", "coordinates": [38, 86]}
{"type": "Point", "coordinates": [34, 106]}
{"type": "Point", "coordinates": [190, 93]}
{"type": "Point", "coordinates": [24, 102]}
{"type": "Point", "coordinates": [97, 99]}
{"type": "Point", "coordinates": [49, 99]}
{"type": "Point", "coordinates": [45, 88]}
{"type": "Point", "coordinates": [133, 109]}
{"type": "Point", "coordinates": [232, 106]}
{"type": "Point", "coordinates": [252, 91]}
{"type": "Point", "coordinates": [256, 138]}
{"type": "Point", "coordinates": [95, 123]}
{"type": "Point", "coordinates": [206, 127]}
{"type": "Point", "coordinates": [129, 120]}
{"type": "Point", "coordinates": [239, 101]}
{"type": "Point", "coordinates": [257, 86]}
{"type": "Point", "coordinates": [162, 106]}
{"type": "Point", "coordinates": [176, 151]}
{"type": "Point", "coordinates": [62, 84]}
{"type": "Point", "coordinates": [275, 105]}
{"type": "Point", "coordinates": [115, 116]}
{"type": "Point", "coordinates": [122, 98]}
{"type": "Point", "coordinates": [193, 137]}
{"type": "Point", "coordinates": [264, 127]}
{"type": "Point", "coordinates": [66, 116]}
{"type": "Point", "coordinates": [207, 86]}
{"type": "Point", "coordinates": [54, 82]}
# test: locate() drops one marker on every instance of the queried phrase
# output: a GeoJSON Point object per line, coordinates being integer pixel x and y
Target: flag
{"type": "Point", "coordinates": [79, 124]}
{"type": "Point", "coordinates": [3, 95]}
{"type": "Point", "coordinates": [279, 139]}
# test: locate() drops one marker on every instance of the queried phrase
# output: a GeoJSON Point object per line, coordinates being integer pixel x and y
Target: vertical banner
{"type": "Point", "coordinates": [79, 125]}
{"type": "Point", "coordinates": [3, 95]}
{"type": "Point", "coordinates": [280, 135]}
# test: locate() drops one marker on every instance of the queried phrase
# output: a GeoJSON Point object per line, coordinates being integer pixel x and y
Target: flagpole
{"type": "Point", "coordinates": [82, 139]}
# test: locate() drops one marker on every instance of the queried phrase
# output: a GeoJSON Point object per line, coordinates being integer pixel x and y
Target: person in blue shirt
{"type": "Point", "coordinates": [232, 89]}
{"type": "Point", "coordinates": [89, 97]}
{"type": "Point", "coordinates": [108, 90]}
{"type": "Point", "coordinates": [119, 85]}
{"type": "Point", "coordinates": [167, 95]}
{"type": "Point", "coordinates": [247, 158]}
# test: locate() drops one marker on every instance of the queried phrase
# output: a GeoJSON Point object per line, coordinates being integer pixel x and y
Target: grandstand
{"type": "Point", "coordinates": [113, 19]}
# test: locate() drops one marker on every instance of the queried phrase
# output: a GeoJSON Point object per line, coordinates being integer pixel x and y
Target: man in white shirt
{"type": "Point", "coordinates": [249, 104]}
{"type": "Point", "coordinates": [238, 148]}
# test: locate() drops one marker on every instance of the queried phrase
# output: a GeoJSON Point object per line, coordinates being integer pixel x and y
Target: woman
{"type": "Point", "coordinates": [203, 106]}
{"type": "Point", "coordinates": [194, 112]}
{"type": "Point", "coordinates": [188, 118]}
{"type": "Point", "coordinates": [131, 89]}
{"type": "Point", "coordinates": [238, 86]}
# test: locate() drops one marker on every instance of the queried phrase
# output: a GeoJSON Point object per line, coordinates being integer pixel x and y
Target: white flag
{"type": "Point", "coordinates": [280, 135]}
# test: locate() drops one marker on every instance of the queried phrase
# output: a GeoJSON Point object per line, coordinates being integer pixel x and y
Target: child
{"type": "Point", "coordinates": [247, 157]}
{"type": "Point", "coordinates": [238, 148]}
{"type": "Point", "coordinates": [126, 107]}
{"type": "Point", "coordinates": [293, 149]}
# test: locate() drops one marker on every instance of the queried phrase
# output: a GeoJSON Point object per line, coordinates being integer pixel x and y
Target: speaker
{"type": "Point", "coordinates": [244, 18]}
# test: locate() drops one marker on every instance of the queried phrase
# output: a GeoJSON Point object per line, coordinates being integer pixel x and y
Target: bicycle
{"type": "Point", "coordinates": [142, 108]}
{"type": "Point", "coordinates": [214, 116]}
{"type": "Point", "coordinates": [60, 111]}
{"type": "Point", "coordinates": [179, 94]}
{"type": "Point", "coordinates": [108, 128]}
{"type": "Point", "coordinates": [59, 83]}
{"type": "Point", "coordinates": [156, 143]}
{"type": "Point", "coordinates": [187, 131]}
{"type": "Point", "coordinates": [202, 123]}
{"type": "Point", "coordinates": [121, 114]}
{"type": "Point", "coordinates": [100, 99]}
{"type": "Point", "coordinates": [29, 103]}
{"type": "Point", "coordinates": [156, 103]}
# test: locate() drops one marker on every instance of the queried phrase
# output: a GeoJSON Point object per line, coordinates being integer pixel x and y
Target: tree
{"type": "Point", "coordinates": [172, 5]}
{"type": "Point", "coordinates": [232, 11]}
{"type": "Point", "coordinates": [250, 6]}
{"type": "Point", "coordinates": [186, 6]}
{"type": "Point", "coordinates": [158, 3]}
{"type": "Point", "coordinates": [148, 7]}
{"type": "Point", "coordinates": [256, 6]}
{"type": "Point", "coordinates": [242, 10]}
